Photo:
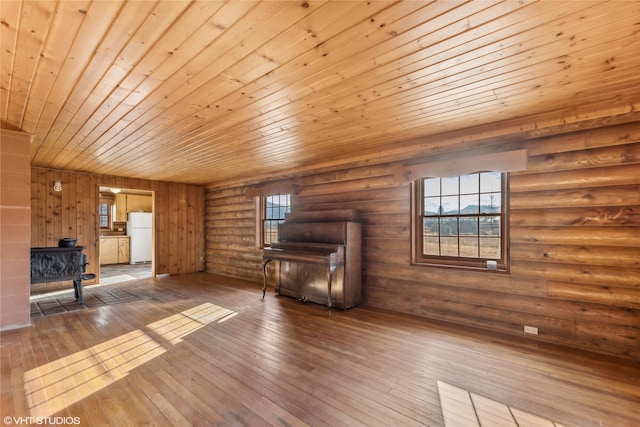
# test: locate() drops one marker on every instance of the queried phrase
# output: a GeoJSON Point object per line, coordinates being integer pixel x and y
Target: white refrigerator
{"type": "Point", "coordinates": [139, 228]}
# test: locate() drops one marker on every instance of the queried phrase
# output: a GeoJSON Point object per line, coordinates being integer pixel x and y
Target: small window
{"type": "Point", "coordinates": [461, 221]}
{"type": "Point", "coordinates": [274, 209]}
{"type": "Point", "coordinates": [104, 215]}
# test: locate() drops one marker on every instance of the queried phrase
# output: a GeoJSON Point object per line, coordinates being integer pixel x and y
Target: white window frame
{"type": "Point", "coordinates": [263, 216]}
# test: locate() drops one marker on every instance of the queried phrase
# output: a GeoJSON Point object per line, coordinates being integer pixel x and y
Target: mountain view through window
{"type": "Point", "coordinates": [462, 216]}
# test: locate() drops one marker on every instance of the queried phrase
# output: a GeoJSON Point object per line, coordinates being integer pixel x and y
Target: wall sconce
{"type": "Point", "coordinates": [57, 186]}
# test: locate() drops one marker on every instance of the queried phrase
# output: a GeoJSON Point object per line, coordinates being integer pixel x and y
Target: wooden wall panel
{"type": "Point", "coordinates": [574, 230]}
{"type": "Point", "coordinates": [178, 214]}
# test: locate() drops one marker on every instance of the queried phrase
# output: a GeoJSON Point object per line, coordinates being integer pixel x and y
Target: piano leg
{"type": "Point", "coordinates": [330, 271]}
{"type": "Point", "coordinates": [264, 272]}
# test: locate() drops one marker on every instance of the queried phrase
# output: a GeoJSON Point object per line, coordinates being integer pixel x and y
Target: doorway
{"type": "Point", "coordinates": [125, 222]}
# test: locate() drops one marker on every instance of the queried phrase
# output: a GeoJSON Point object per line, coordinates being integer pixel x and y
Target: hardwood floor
{"type": "Point", "coordinates": [204, 350]}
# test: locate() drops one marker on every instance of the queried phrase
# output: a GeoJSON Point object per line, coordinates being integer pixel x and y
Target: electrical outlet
{"type": "Point", "coordinates": [530, 330]}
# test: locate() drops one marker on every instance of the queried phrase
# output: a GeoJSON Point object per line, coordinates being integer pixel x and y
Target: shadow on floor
{"type": "Point", "coordinates": [93, 297]}
{"type": "Point", "coordinates": [45, 304]}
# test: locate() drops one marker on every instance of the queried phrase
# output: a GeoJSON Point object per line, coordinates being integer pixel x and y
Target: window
{"type": "Point", "coordinates": [461, 221]}
{"type": "Point", "coordinates": [273, 210]}
{"type": "Point", "coordinates": [104, 215]}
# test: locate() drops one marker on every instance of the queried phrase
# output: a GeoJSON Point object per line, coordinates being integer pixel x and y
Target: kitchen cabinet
{"type": "Point", "coordinates": [114, 250]}
{"type": "Point", "coordinates": [123, 250]}
{"type": "Point", "coordinates": [108, 250]}
{"type": "Point", "coordinates": [132, 203]}
{"type": "Point", "coordinates": [121, 207]}
{"type": "Point", "coordinates": [138, 203]}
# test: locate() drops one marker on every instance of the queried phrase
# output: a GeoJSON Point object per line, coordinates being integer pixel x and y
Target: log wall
{"type": "Point", "coordinates": [574, 237]}
{"type": "Point", "coordinates": [178, 214]}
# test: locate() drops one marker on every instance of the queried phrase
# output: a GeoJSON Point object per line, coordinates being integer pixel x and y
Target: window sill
{"type": "Point", "coordinates": [501, 269]}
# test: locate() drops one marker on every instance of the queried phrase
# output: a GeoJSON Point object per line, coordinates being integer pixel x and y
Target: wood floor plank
{"type": "Point", "coordinates": [173, 415]}
{"type": "Point", "coordinates": [238, 391]}
{"type": "Point", "coordinates": [298, 368]}
{"type": "Point", "coordinates": [203, 350]}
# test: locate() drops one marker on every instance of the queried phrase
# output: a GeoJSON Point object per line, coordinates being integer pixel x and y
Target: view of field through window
{"type": "Point", "coordinates": [461, 216]}
{"type": "Point", "coordinates": [275, 208]}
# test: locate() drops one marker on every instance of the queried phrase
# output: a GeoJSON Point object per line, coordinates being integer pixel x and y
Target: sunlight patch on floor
{"type": "Point", "coordinates": [174, 328]}
{"type": "Point", "coordinates": [54, 386]}
{"type": "Point", "coordinates": [59, 384]}
{"type": "Point", "coordinates": [116, 279]}
{"type": "Point", "coordinates": [461, 408]}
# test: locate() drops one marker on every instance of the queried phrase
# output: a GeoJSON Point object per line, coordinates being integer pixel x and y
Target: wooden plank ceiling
{"type": "Point", "coordinates": [211, 91]}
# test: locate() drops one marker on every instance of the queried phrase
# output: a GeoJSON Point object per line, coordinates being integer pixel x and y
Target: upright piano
{"type": "Point", "coordinates": [318, 256]}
